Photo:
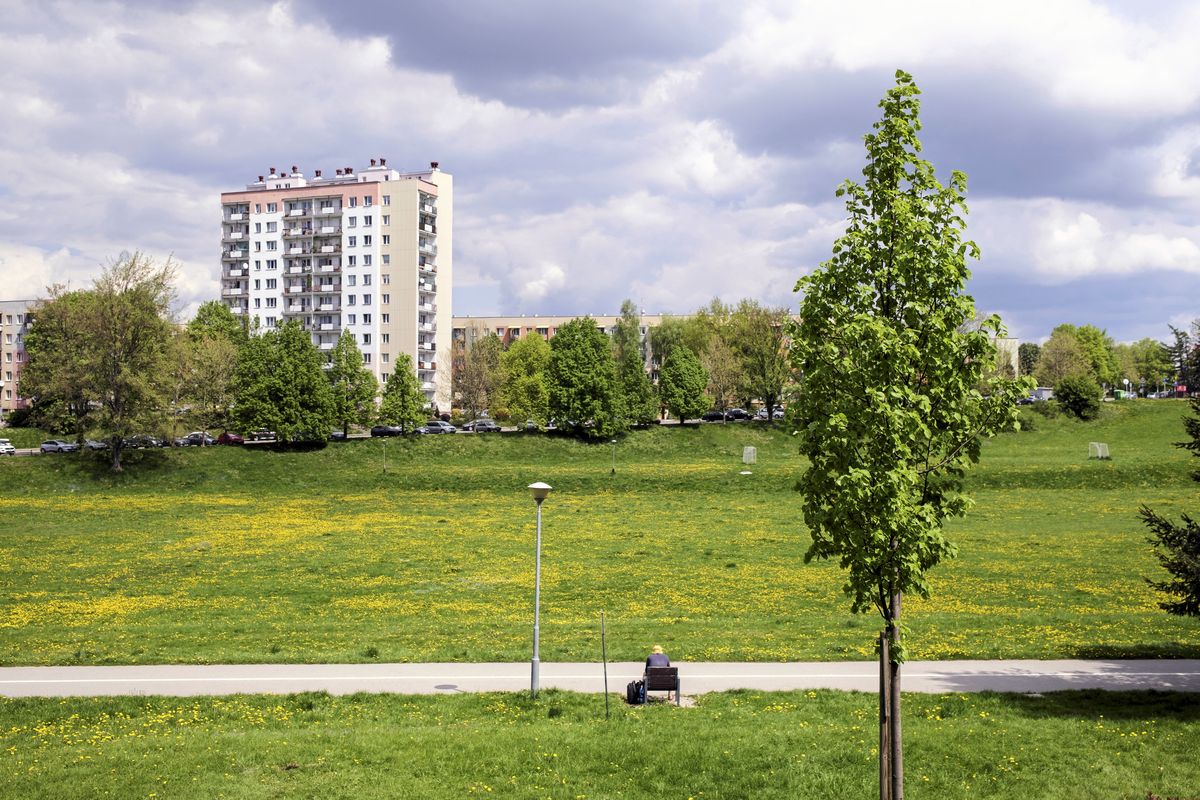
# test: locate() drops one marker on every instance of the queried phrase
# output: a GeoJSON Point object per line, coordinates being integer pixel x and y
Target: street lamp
{"type": "Point", "coordinates": [614, 466]}
{"type": "Point", "coordinates": [539, 491]}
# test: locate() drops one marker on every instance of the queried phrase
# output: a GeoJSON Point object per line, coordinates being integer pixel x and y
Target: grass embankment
{"type": "Point", "coordinates": [422, 549]}
{"type": "Point", "coordinates": [732, 745]}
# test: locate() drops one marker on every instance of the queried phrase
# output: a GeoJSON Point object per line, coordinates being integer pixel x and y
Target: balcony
{"type": "Point", "coordinates": [428, 386]}
{"type": "Point", "coordinates": [296, 270]}
{"type": "Point", "coordinates": [428, 308]}
{"type": "Point", "coordinates": [428, 248]}
{"type": "Point", "coordinates": [299, 212]}
{"type": "Point", "coordinates": [233, 255]}
{"type": "Point", "coordinates": [427, 366]}
{"type": "Point", "coordinates": [428, 288]}
{"type": "Point", "coordinates": [236, 216]}
{"type": "Point", "coordinates": [294, 289]}
{"type": "Point", "coordinates": [326, 345]}
{"type": "Point", "coordinates": [331, 248]}
{"type": "Point", "coordinates": [329, 288]}
{"type": "Point", "coordinates": [427, 326]}
{"type": "Point", "coordinates": [290, 233]}
{"type": "Point", "coordinates": [233, 236]}
{"type": "Point", "coordinates": [427, 346]}
{"type": "Point", "coordinates": [298, 250]}
{"type": "Point", "coordinates": [327, 268]}
{"type": "Point", "coordinates": [429, 228]}
{"type": "Point", "coordinates": [235, 273]}
{"type": "Point", "coordinates": [328, 307]}
{"type": "Point", "coordinates": [231, 291]}
{"type": "Point", "coordinates": [427, 209]}
{"type": "Point", "coordinates": [428, 269]}
{"type": "Point", "coordinates": [295, 308]}
{"type": "Point", "coordinates": [325, 326]}
{"type": "Point", "coordinates": [326, 211]}
{"type": "Point", "coordinates": [330, 230]}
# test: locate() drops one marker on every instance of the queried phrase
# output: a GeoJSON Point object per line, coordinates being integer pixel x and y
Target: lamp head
{"type": "Point", "coordinates": [539, 491]}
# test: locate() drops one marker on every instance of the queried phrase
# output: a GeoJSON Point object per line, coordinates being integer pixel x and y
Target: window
{"type": "Point", "coordinates": [385, 336]}
{"type": "Point", "coordinates": [272, 208]}
{"type": "Point", "coordinates": [366, 319]}
{"type": "Point", "coordinates": [366, 278]}
{"type": "Point", "coordinates": [387, 199]}
{"type": "Point", "coordinates": [270, 322]}
{"type": "Point", "coordinates": [349, 319]}
{"type": "Point", "coordinates": [386, 278]}
{"type": "Point", "coordinates": [366, 260]}
{"type": "Point", "coordinates": [385, 358]}
{"type": "Point", "coordinates": [366, 241]}
{"type": "Point", "coordinates": [352, 241]}
{"type": "Point", "coordinates": [270, 302]}
{"type": "Point", "coordinates": [366, 299]}
{"type": "Point", "coordinates": [257, 264]}
{"type": "Point", "coordinates": [366, 358]}
{"type": "Point", "coordinates": [272, 263]}
{"type": "Point", "coordinates": [366, 338]}
{"type": "Point", "coordinates": [351, 222]}
{"type": "Point", "coordinates": [387, 259]}
{"type": "Point", "coordinates": [384, 376]}
{"type": "Point", "coordinates": [353, 202]}
{"type": "Point", "coordinates": [367, 202]}
{"type": "Point", "coordinates": [387, 218]}
{"type": "Point", "coordinates": [350, 280]}
{"type": "Point", "coordinates": [257, 283]}
{"type": "Point", "coordinates": [385, 299]}
{"type": "Point", "coordinates": [350, 261]}
{"type": "Point", "coordinates": [258, 227]}
{"type": "Point", "coordinates": [258, 247]}
{"type": "Point", "coordinates": [258, 208]}
{"type": "Point", "coordinates": [387, 238]}
{"type": "Point", "coordinates": [272, 245]}
{"type": "Point", "coordinates": [349, 299]}
{"type": "Point", "coordinates": [271, 282]}
{"type": "Point", "coordinates": [367, 221]}
{"type": "Point", "coordinates": [8, 357]}
{"type": "Point", "coordinates": [272, 227]}
{"type": "Point", "coordinates": [257, 303]}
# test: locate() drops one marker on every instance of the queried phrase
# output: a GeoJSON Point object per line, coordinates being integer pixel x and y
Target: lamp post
{"type": "Point", "coordinates": [614, 463]}
{"type": "Point", "coordinates": [539, 491]}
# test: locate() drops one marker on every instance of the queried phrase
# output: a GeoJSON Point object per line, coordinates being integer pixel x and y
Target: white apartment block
{"type": "Point", "coordinates": [370, 252]}
{"type": "Point", "coordinates": [14, 326]}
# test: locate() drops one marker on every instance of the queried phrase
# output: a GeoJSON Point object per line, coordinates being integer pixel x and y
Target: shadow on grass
{"type": "Point", "coordinates": [1097, 703]}
{"type": "Point", "coordinates": [1163, 650]}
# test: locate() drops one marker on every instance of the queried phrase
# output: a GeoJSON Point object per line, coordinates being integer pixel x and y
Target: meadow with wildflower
{"type": "Point", "coordinates": [1066, 745]}
{"type": "Point", "coordinates": [421, 549]}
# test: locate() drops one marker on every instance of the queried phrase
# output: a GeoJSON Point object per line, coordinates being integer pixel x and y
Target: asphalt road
{"type": "Point", "coordinates": [696, 678]}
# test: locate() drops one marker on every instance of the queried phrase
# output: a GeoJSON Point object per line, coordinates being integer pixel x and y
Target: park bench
{"type": "Point", "coordinates": [663, 679]}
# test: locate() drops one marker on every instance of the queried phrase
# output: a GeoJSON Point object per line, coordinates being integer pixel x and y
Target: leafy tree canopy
{"type": "Point", "coordinates": [582, 381]}
{"type": "Point", "coordinates": [525, 391]}
{"type": "Point", "coordinates": [353, 385]}
{"type": "Point", "coordinates": [682, 383]}
{"type": "Point", "coordinates": [403, 402]}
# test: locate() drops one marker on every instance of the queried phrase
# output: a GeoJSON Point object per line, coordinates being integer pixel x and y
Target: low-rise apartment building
{"type": "Point", "coordinates": [15, 318]}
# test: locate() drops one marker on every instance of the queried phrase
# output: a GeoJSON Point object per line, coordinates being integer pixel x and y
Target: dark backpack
{"type": "Point", "coordinates": [635, 693]}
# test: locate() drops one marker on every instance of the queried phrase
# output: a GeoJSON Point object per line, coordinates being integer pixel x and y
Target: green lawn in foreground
{"type": "Point", "coordinates": [422, 549]}
{"type": "Point", "coordinates": [732, 745]}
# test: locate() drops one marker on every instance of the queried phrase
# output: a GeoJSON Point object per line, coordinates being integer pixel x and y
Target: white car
{"type": "Point", "coordinates": [6, 448]}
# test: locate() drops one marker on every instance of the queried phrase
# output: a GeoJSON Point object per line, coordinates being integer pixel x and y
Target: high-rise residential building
{"type": "Point", "coordinates": [370, 252]}
{"type": "Point", "coordinates": [15, 318]}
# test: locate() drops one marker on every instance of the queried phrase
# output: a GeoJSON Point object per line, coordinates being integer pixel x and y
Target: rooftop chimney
{"type": "Point", "coordinates": [433, 164]}
{"type": "Point", "coordinates": [295, 168]}
{"type": "Point", "coordinates": [372, 162]}
{"type": "Point", "coordinates": [339, 172]}
{"type": "Point", "coordinates": [318, 173]}
{"type": "Point", "coordinates": [272, 170]}
{"type": "Point", "coordinates": [260, 178]}
{"type": "Point", "coordinates": [382, 162]}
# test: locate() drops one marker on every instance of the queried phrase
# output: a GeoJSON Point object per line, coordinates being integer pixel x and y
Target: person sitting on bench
{"type": "Point", "coordinates": [657, 658]}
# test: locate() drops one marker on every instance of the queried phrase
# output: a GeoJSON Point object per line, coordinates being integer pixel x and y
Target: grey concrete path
{"type": "Point", "coordinates": [697, 678]}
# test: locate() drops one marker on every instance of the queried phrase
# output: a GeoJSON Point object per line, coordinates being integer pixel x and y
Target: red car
{"type": "Point", "coordinates": [230, 438]}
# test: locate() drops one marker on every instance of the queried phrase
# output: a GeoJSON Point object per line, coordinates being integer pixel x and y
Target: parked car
{"type": "Point", "coordinates": [436, 426]}
{"type": "Point", "coordinates": [737, 413]}
{"type": "Point", "coordinates": [482, 426]}
{"type": "Point", "coordinates": [95, 444]}
{"type": "Point", "coordinates": [261, 435]}
{"type": "Point", "coordinates": [6, 448]}
{"type": "Point", "coordinates": [338, 435]}
{"type": "Point", "coordinates": [387, 430]}
{"type": "Point", "coordinates": [762, 413]}
{"type": "Point", "coordinates": [230, 438]}
{"type": "Point", "coordinates": [195, 439]}
{"type": "Point", "coordinates": [714, 415]}
{"type": "Point", "coordinates": [142, 440]}
{"type": "Point", "coordinates": [58, 446]}
{"type": "Point", "coordinates": [531, 426]}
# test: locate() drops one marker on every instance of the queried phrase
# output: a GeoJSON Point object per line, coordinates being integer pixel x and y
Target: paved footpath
{"type": "Point", "coordinates": [696, 678]}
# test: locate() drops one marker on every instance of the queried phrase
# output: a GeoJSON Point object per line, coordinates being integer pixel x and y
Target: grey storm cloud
{"type": "Point", "coordinates": [665, 152]}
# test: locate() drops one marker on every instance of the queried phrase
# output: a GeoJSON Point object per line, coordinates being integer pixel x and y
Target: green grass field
{"type": "Point", "coordinates": [1064, 746]}
{"type": "Point", "coordinates": [422, 549]}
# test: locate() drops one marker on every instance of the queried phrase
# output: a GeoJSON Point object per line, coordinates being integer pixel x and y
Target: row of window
{"type": "Point", "coordinates": [273, 208]}
{"type": "Point", "coordinates": [351, 241]}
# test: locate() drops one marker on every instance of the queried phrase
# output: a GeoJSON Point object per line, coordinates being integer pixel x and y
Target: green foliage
{"type": "Point", "coordinates": [281, 386]}
{"type": "Point", "coordinates": [1079, 396]}
{"type": "Point", "coordinates": [403, 402]}
{"type": "Point", "coordinates": [1184, 354]}
{"type": "Point", "coordinates": [1178, 546]}
{"type": "Point", "coordinates": [1145, 363]}
{"type": "Point", "coordinates": [724, 373]}
{"type": "Point", "coordinates": [638, 403]}
{"type": "Point", "coordinates": [478, 375]}
{"type": "Point", "coordinates": [681, 384]}
{"type": "Point", "coordinates": [890, 417]}
{"type": "Point", "coordinates": [756, 334]}
{"type": "Point", "coordinates": [582, 381]}
{"type": "Point", "coordinates": [1063, 356]}
{"type": "Point", "coordinates": [525, 393]}
{"type": "Point", "coordinates": [353, 385]}
{"type": "Point", "coordinates": [214, 320]}
{"type": "Point", "coordinates": [1027, 357]}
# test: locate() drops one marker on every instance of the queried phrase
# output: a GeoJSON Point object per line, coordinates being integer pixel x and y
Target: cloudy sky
{"type": "Point", "coordinates": [668, 152]}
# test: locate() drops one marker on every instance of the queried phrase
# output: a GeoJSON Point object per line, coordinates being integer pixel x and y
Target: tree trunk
{"type": "Point", "coordinates": [885, 678]}
{"type": "Point", "coordinates": [897, 745]}
{"type": "Point", "coordinates": [116, 455]}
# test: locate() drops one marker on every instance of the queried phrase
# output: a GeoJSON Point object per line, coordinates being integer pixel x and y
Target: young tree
{"type": "Point", "coordinates": [637, 401]}
{"type": "Point", "coordinates": [525, 392]}
{"type": "Point", "coordinates": [211, 364]}
{"type": "Point", "coordinates": [1079, 396]}
{"type": "Point", "coordinates": [1062, 357]}
{"type": "Point", "coordinates": [681, 385]}
{"type": "Point", "coordinates": [1027, 357]}
{"type": "Point", "coordinates": [724, 372]}
{"type": "Point", "coordinates": [1178, 546]}
{"type": "Point", "coordinates": [282, 386]}
{"type": "Point", "coordinates": [582, 380]}
{"type": "Point", "coordinates": [214, 320]}
{"type": "Point", "coordinates": [889, 412]}
{"type": "Point", "coordinates": [55, 376]}
{"type": "Point", "coordinates": [403, 401]}
{"type": "Point", "coordinates": [757, 335]}
{"type": "Point", "coordinates": [354, 386]}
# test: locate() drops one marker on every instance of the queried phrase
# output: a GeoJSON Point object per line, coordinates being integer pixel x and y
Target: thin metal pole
{"type": "Point", "coordinates": [885, 748]}
{"type": "Point", "coordinates": [604, 656]}
{"type": "Point", "coordinates": [614, 463]}
{"type": "Point", "coordinates": [535, 665]}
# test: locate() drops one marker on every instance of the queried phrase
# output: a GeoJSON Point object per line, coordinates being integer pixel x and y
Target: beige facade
{"type": "Point", "coordinates": [370, 252]}
{"type": "Point", "coordinates": [14, 326]}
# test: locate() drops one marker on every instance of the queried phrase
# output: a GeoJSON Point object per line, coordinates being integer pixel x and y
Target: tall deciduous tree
{"type": "Point", "coordinates": [889, 412]}
{"type": "Point", "coordinates": [1062, 357]}
{"type": "Point", "coordinates": [681, 385]}
{"type": "Point", "coordinates": [282, 386]}
{"type": "Point", "coordinates": [403, 402]}
{"type": "Point", "coordinates": [479, 374]}
{"type": "Point", "coordinates": [637, 401]}
{"type": "Point", "coordinates": [525, 391]}
{"type": "Point", "coordinates": [757, 335]}
{"type": "Point", "coordinates": [582, 381]}
{"type": "Point", "coordinates": [58, 347]}
{"type": "Point", "coordinates": [1178, 546]}
{"type": "Point", "coordinates": [117, 350]}
{"type": "Point", "coordinates": [724, 372]}
{"type": "Point", "coordinates": [214, 320]}
{"type": "Point", "coordinates": [1027, 357]}
{"type": "Point", "coordinates": [353, 385]}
